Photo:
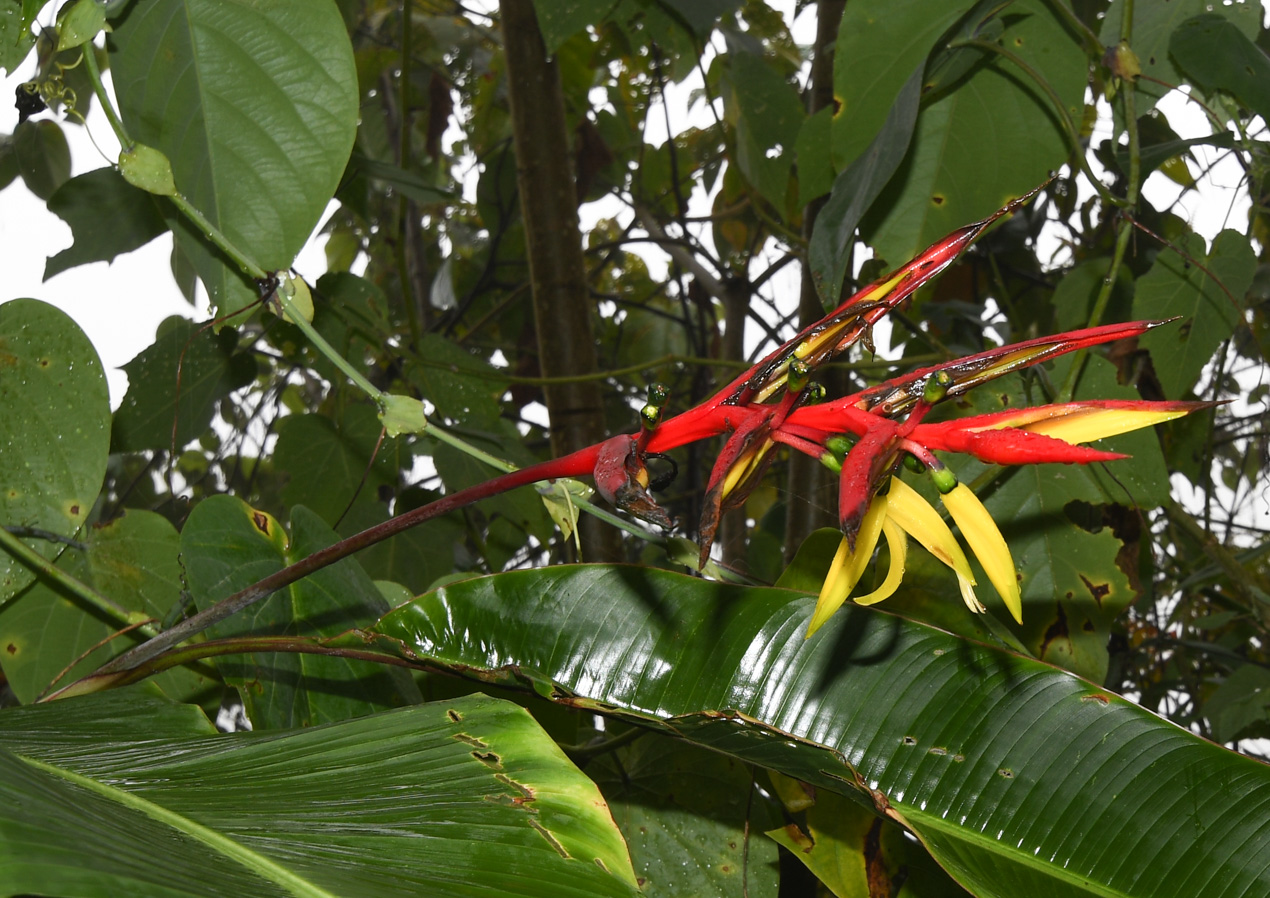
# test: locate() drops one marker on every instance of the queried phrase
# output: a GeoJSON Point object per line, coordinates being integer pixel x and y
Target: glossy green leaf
{"type": "Point", "coordinates": [256, 107]}
{"type": "Point", "coordinates": [854, 852]}
{"type": "Point", "coordinates": [692, 819]}
{"type": "Point", "coordinates": [1153, 27]}
{"type": "Point", "coordinates": [43, 156]}
{"type": "Point", "coordinates": [994, 120]}
{"type": "Point", "coordinates": [1174, 286]}
{"type": "Point", "coordinates": [54, 429]}
{"type": "Point", "coordinates": [1239, 707]}
{"type": "Point", "coordinates": [80, 202]}
{"type": "Point", "coordinates": [1217, 55]}
{"type": "Point", "coordinates": [50, 638]}
{"type": "Point", "coordinates": [226, 546]}
{"type": "Point", "coordinates": [1016, 774]}
{"type": "Point", "coordinates": [462, 797]}
{"type": "Point", "coordinates": [174, 385]}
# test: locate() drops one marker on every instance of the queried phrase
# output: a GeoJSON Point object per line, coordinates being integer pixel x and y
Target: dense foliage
{"type": "Point", "coordinates": [677, 734]}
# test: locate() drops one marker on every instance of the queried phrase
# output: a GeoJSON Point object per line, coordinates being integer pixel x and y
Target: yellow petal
{"type": "Point", "coordinates": [1089, 424]}
{"type": "Point", "coordinates": [897, 542]}
{"type": "Point", "coordinates": [848, 566]}
{"type": "Point", "coordinates": [910, 510]}
{"type": "Point", "coordinates": [985, 538]}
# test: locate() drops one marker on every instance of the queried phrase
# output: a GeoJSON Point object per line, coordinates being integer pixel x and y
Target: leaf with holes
{"type": "Point", "coordinates": [1015, 774]}
{"type": "Point", "coordinates": [461, 797]}
{"type": "Point", "coordinates": [134, 219]}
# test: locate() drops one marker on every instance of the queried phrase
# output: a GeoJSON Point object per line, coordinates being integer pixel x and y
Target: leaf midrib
{"type": "Point", "coordinates": [254, 861]}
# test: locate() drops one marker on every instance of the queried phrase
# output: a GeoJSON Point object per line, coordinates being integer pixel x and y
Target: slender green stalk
{"type": "Point", "coordinates": [1124, 228]}
{"type": "Point", "coordinates": [327, 349]}
{"type": "Point", "coordinates": [94, 75]}
{"type": "Point", "coordinates": [106, 606]}
{"type": "Point", "coordinates": [217, 238]}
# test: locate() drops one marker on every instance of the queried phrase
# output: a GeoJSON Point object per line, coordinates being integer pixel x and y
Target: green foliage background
{"type": "Point", "coordinates": [455, 711]}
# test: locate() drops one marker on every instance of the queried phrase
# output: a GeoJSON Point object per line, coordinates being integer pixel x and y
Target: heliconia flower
{"type": "Point", "coordinates": [989, 546]}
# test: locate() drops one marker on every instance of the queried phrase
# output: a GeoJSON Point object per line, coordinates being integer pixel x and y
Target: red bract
{"type": "Point", "coordinates": [865, 435]}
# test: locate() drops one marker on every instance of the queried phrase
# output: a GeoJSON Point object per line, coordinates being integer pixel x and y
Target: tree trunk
{"type": "Point", "coordinates": [548, 201]}
{"type": "Point", "coordinates": [811, 488]}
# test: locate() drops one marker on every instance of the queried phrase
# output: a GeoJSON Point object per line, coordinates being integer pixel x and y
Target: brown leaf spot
{"type": "Point", "coordinates": [261, 520]}
{"type": "Point", "coordinates": [470, 740]}
{"type": "Point", "coordinates": [454, 716]}
{"type": "Point", "coordinates": [802, 840]}
{"type": "Point", "coordinates": [1088, 626]}
{"type": "Point", "coordinates": [489, 759]}
{"type": "Point", "coordinates": [938, 750]}
{"type": "Point", "coordinates": [876, 874]}
{"type": "Point", "coordinates": [551, 839]}
{"type": "Point", "coordinates": [938, 199]}
{"type": "Point", "coordinates": [526, 793]}
{"type": "Point", "coordinates": [1095, 697]}
{"type": "Point", "coordinates": [1006, 773]}
{"type": "Point", "coordinates": [1099, 591]}
{"type": "Point", "coordinates": [44, 363]}
{"type": "Point", "coordinates": [1056, 630]}
{"type": "Point", "coordinates": [909, 740]}
{"type": "Point", "coordinates": [75, 509]}
{"type": "Point", "coordinates": [837, 106]}
{"type": "Point", "coordinates": [11, 649]}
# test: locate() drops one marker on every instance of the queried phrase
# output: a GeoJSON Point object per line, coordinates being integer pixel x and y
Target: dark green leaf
{"type": "Point", "coordinates": [1217, 55]}
{"type": "Point", "coordinates": [54, 429]}
{"type": "Point", "coordinates": [768, 116]}
{"type": "Point", "coordinates": [1017, 775]}
{"type": "Point", "coordinates": [43, 157]}
{"type": "Point", "coordinates": [701, 15]}
{"type": "Point", "coordinates": [1156, 154]}
{"type": "Point", "coordinates": [1174, 286]}
{"type": "Point", "coordinates": [255, 105]}
{"type": "Point", "coordinates": [413, 185]}
{"type": "Point", "coordinates": [107, 217]}
{"type": "Point", "coordinates": [1074, 296]}
{"type": "Point", "coordinates": [462, 797]}
{"type": "Point", "coordinates": [174, 385]}
{"type": "Point", "coordinates": [692, 819]}
{"type": "Point", "coordinates": [1240, 707]}
{"type": "Point", "coordinates": [463, 387]}
{"type": "Point", "coordinates": [1153, 26]}
{"type": "Point", "coordinates": [814, 155]}
{"type": "Point", "coordinates": [855, 189]}
{"type": "Point", "coordinates": [226, 546]}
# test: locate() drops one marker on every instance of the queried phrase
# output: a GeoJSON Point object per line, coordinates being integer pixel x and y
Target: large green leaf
{"type": "Point", "coordinates": [1021, 778]}
{"type": "Point", "coordinates": [134, 219]}
{"type": "Point", "coordinates": [54, 429]}
{"type": "Point", "coordinates": [767, 114]}
{"type": "Point", "coordinates": [1154, 25]}
{"type": "Point", "coordinates": [16, 39]}
{"type": "Point", "coordinates": [226, 546]}
{"type": "Point", "coordinates": [46, 632]}
{"type": "Point", "coordinates": [1219, 56]}
{"type": "Point", "coordinates": [1174, 286]}
{"type": "Point", "coordinates": [986, 138]}
{"type": "Point", "coordinates": [127, 795]}
{"type": "Point", "coordinates": [256, 106]}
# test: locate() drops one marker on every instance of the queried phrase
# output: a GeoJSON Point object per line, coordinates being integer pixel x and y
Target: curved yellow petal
{"type": "Point", "coordinates": [897, 542]}
{"type": "Point", "coordinates": [985, 539]}
{"type": "Point", "coordinates": [1085, 425]}
{"type": "Point", "coordinates": [848, 567]}
{"type": "Point", "coordinates": [908, 508]}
